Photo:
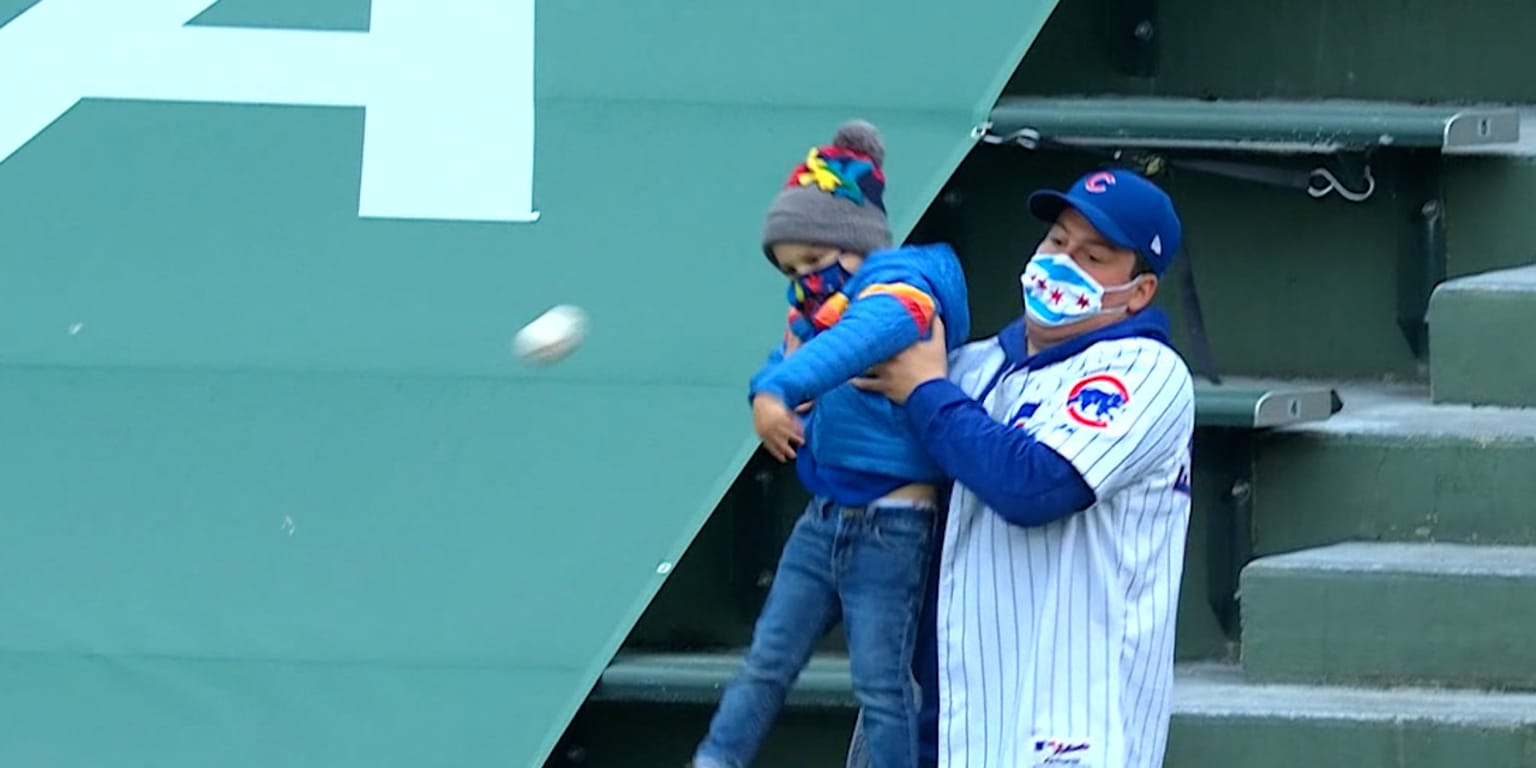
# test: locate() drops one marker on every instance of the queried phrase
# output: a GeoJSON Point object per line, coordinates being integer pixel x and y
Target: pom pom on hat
{"type": "Point", "coordinates": [862, 137]}
{"type": "Point", "coordinates": [836, 196]}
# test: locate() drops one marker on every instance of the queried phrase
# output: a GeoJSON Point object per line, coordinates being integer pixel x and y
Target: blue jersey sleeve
{"type": "Point", "coordinates": [1018, 477]}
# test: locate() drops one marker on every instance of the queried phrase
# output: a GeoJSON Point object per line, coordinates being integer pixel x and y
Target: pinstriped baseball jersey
{"type": "Point", "coordinates": [1055, 642]}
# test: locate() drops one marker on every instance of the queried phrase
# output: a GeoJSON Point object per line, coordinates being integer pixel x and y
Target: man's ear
{"type": "Point", "coordinates": [1143, 293]}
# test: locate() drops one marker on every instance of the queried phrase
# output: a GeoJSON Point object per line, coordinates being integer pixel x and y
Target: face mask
{"type": "Point", "coordinates": [1058, 292]}
{"type": "Point", "coordinates": [809, 291]}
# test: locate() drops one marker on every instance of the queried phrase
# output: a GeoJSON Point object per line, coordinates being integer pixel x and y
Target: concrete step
{"type": "Point", "coordinates": [1480, 349]}
{"type": "Point", "coordinates": [1221, 719]}
{"type": "Point", "coordinates": [1393, 466]}
{"type": "Point", "coordinates": [651, 710]}
{"type": "Point", "coordinates": [1392, 613]}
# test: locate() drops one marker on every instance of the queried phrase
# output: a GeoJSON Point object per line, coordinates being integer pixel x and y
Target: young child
{"type": "Point", "coordinates": [860, 551]}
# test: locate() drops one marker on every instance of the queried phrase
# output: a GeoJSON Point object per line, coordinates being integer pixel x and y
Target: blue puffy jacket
{"type": "Point", "coordinates": [859, 445]}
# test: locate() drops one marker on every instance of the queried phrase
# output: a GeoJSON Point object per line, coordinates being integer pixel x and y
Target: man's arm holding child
{"type": "Point", "coordinates": [1020, 478]}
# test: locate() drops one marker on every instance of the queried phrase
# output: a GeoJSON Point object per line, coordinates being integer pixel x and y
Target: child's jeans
{"type": "Point", "coordinates": [865, 565]}
{"type": "Point", "coordinates": [858, 751]}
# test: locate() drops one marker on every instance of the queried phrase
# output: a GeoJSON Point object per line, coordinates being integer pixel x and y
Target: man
{"type": "Point", "coordinates": [1051, 615]}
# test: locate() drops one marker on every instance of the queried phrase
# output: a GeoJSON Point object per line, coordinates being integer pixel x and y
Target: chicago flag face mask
{"type": "Point", "coordinates": [1058, 292]}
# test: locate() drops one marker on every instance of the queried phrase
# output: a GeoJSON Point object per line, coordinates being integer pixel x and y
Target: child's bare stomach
{"type": "Point", "coordinates": [915, 492]}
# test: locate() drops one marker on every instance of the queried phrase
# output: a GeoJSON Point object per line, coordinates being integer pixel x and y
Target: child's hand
{"type": "Point", "coordinates": [778, 428]}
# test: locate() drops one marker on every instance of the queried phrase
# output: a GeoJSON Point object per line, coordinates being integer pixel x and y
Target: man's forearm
{"type": "Point", "coordinates": [1018, 477]}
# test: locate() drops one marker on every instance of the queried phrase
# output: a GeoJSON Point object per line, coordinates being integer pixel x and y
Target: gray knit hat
{"type": "Point", "coordinates": [836, 197]}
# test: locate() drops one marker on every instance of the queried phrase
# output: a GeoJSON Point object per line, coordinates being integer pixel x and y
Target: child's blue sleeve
{"type": "Point", "coordinates": [882, 320]}
{"type": "Point", "coordinates": [774, 358]}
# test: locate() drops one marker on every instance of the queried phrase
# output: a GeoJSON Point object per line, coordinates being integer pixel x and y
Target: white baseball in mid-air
{"type": "Point", "coordinates": [552, 335]}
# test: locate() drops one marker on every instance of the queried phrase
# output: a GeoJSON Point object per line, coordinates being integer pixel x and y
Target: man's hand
{"type": "Point", "coordinates": [778, 428]}
{"type": "Point", "coordinates": [920, 363]}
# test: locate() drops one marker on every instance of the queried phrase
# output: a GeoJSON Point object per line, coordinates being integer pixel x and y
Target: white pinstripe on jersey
{"type": "Point", "coordinates": [1056, 642]}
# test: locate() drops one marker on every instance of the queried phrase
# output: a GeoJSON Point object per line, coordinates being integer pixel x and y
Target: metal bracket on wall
{"type": "Point", "coordinates": [755, 535]}
{"type": "Point", "coordinates": [570, 751]}
{"type": "Point", "coordinates": [761, 522]}
{"type": "Point", "coordinates": [1325, 183]}
{"type": "Point", "coordinates": [1132, 35]}
{"type": "Point", "coordinates": [942, 222]}
{"type": "Point", "coordinates": [1230, 545]}
{"type": "Point", "coordinates": [1422, 261]}
{"type": "Point", "coordinates": [1351, 178]}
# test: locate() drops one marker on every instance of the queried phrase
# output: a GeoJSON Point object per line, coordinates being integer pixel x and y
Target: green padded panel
{"type": "Point", "coordinates": [1379, 613]}
{"type": "Point", "coordinates": [275, 493]}
{"type": "Point", "coordinates": [1262, 126]}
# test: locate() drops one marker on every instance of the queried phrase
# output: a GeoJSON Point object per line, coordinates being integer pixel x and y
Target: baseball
{"type": "Point", "coordinates": [552, 335]}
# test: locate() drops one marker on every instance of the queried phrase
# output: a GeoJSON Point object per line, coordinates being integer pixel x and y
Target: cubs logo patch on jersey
{"type": "Point", "coordinates": [1094, 401]}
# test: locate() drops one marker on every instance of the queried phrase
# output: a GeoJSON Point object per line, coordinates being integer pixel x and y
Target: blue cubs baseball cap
{"type": "Point", "coordinates": [1125, 207]}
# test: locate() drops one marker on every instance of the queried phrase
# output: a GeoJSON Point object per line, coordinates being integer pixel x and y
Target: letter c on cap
{"type": "Point", "coordinates": [1099, 182]}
